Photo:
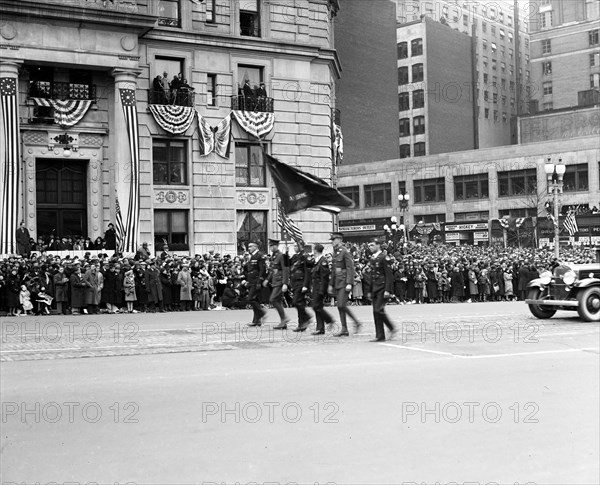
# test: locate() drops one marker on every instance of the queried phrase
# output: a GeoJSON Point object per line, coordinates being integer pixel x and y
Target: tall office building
{"type": "Point", "coordinates": [565, 53]}
{"type": "Point", "coordinates": [496, 92]}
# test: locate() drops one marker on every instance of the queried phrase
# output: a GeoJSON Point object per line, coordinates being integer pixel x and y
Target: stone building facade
{"type": "Point", "coordinates": [73, 50]}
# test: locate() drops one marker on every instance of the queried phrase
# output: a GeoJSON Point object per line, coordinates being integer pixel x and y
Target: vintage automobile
{"type": "Point", "coordinates": [571, 287]}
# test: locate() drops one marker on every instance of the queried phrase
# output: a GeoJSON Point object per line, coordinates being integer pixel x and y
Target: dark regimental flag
{"type": "Point", "coordinates": [301, 190]}
{"type": "Point", "coordinates": [133, 199]}
{"type": "Point", "coordinates": [570, 223]}
{"type": "Point", "coordinates": [9, 178]}
{"type": "Point", "coordinates": [288, 225]}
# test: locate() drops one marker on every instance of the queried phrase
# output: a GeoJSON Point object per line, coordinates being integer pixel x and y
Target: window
{"type": "Point", "coordinates": [494, 64]}
{"type": "Point", "coordinates": [494, 47]}
{"type": "Point", "coordinates": [471, 187]}
{"type": "Point", "coordinates": [352, 193]}
{"type": "Point", "coordinates": [168, 13]}
{"type": "Point", "coordinates": [486, 96]}
{"type": "Point", "coordinates": [495, 115]}
{"type": "Point", "coordinates": [211, 9]}
{"type": "Point", "coordinates": [252, 226]}
{"type": "Point", "coordinates": [419, 149]}
{"type": "Point", "coordinates": [594, 80]}
{"type": "Point", "coordinates": [503, 51]}
{"type": "Point", "coordinates": [249, 166]}
{"type": "Point", "coordinates": [503, 66]}
{"type": "Point", "coordinates": [250, 18]}
{"type": "Point", "coordinates": [404, 126]}
{"type": "Point", "coordinates": [511, 53]}
{"type": "Point", "coordinates": [430, 218]}
{"type": "Point", "coordinates": [547, 46]}
{"type": "Point", "coordinates": [518, 182]}
{"type": "Point", "coordinates": [593, 34]}
{"type": "Point", "coordinates": [403, 101]}
{"type": "Point", "coordinates": [510, 21]}
{"type": "Point", "coordinates": [595, 59]}
{"type": "Point", "coordinates": [483, 26]}
{"type": "Point", "coordinates": [548, 106]}
{"type": "Point", "coordinates": [402, 75]}
{"type": "Point", "coordinates": [485, 78]}
{"type": "Point", "coordinates": [547, 68]}
{"type": "Point", "coordinates": [418, 99]}
{"type": "Point", "coordinates": [211, 89]}
{"type": "Point", "coordinates": [524, 212]}
{"type": "Point", "coordinates": [495, 97]}
{"type": "Point", "coordinates": [419, 126]}
{"type": "Point", "coordinates": [465, 20]}
{"type": "Point", "coordinates": [430, 190]}
{"type": "Point", "coordinates": [378, 195]}
{"type": "Point", "coordinates": [417, 73]}
{"type": "Point", "coordinates": [169, 162]}
{"type": "Point", "coordinates": [171, 226]}
{"type": "Point", "coordinates": [512, 102]}
{"type": "Point", "coordinates": [493, 30]}
{"type": "Point", "coordinates": [501, 17]}
{"type": "Point", "coordinates": [545, 19]}
{"type": "Point", "coordinates": [510, 37]}
{"type": "Point", "coordinates": [547, 88]}
{"type": "Point", "coordinates": [512, 86]}
{"type": "Point", "coordinates": [404, 151]}
{"type": "Point", "coordinates": [576, 178]}
{"type": "Point", "coordinates": [487, 113]}
{"type": "Point", "coordinates": [484, 44]}
{"type": "Point", "coordinates": [416, 47]}
{"type": "Point", "coordinates": [402, 50]}
{"type": "Point", "coordinates": [504, 117]}
{"type": "Point", "coordinates": [503, 99]}
{"type": "Point", "coordinates": [503, 84]}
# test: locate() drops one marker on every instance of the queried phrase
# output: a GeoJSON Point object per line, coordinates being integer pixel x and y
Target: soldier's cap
{"type": "Point", "coordinates": [273, 242]}
{"type": "Point", "coordinates": [256, 243]}
{"type": "Point", "coordinates": [336, 235]}
{"type": "Point", "coordinates": [376, 240]}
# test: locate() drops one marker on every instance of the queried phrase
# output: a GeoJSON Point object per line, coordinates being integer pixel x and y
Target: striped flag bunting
{"type": "Point", "coordinates": [217, 139]}
{"type": "Point", "coordinates": [519, 221]}
{"type": "Point", "coordinates": [119, 227]}
{"type": "Point", "coordinates": [504, 223]}
{"type": "Point", "coordinates": [338, 144]}
{"type": "Point", "coordinates": [570, 223]}
{"type": "Point", "coordinates": [67, 112]}
{"type": "Point", "coordinates": [133, 206]}
{"type": "Point", "coordinates": [254, 123]}
{"type": "Point", "coordinates": [288, 225]}
{"type": "Point", "coordinates": [9, 181]}
{"type": "Point", "coordinates": [174, 119]}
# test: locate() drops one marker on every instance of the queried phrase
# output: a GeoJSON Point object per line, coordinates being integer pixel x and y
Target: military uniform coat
{"type": "Point", "coordinates": [342, 269]}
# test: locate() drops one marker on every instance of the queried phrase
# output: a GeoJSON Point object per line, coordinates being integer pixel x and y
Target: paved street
{"type": "Point", "coordinates": [464, 393]}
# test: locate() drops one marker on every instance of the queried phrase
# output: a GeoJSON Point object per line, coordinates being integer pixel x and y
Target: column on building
{"type": "Point", "coordinates": [10, 158]}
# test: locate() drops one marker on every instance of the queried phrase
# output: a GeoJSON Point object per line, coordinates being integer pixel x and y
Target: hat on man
{"type": "Point", "coordinates": [319, 248]}
{"type": "Point", "coordinates": [273, 242]}
{"type": "Point", "coordinates": [376, 240]}
{"type": "Point", "coordinates": [336, 235]}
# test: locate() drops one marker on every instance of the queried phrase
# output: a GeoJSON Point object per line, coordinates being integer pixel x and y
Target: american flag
{"type": "Point", "coordinates": [9, 207]}
{"type": "Point", "coordinates": [119, 228]}
{"type": "Point", "coordinates": [289, 226]}
{"type": "Point", "coordinates": [570, 223]}
{"type": "Point", "coordinates": [133, 207]}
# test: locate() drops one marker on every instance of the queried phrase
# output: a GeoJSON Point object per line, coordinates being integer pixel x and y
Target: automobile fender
{"type": "Point", "coordinates": [587, 282]}
{"type": "Point", "coordinates": [537, 283]}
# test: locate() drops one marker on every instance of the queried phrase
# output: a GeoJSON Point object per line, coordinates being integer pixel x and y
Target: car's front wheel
{"type": "Point", "coordinates": [539, 311]}
{"type": "Point", "coordinates": [589, 304]}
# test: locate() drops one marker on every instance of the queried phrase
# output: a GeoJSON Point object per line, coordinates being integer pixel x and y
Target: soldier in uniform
{"type": "Point", "coordinates": [279, 276]}
{"type": "Point", "coordinates": [300, 265]}
{"type": "Point", "coordinates": [319, 282]}
{"type": "Point", "coordinates": [255, 271]}
{"type": "Point", "coordinates": [342, 281]}
{"type": "Point", "coordinates": [380, 288]}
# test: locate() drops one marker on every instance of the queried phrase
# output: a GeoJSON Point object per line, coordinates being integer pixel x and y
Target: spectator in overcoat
{"type": "Point", "coordinates": [61, 290]}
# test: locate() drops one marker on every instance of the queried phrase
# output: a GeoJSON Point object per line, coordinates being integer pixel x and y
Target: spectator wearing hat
{"type": "Point", "coordinates": [22, 239]}
{"type": "Point", "coordinates": [78, 286]}
{"type": "Point", "coordinates": [93, 292]}
{"type": "Point", "coordinates": [319, 281]}
{"type": "Point", "coordinates": [382, 288]}
{"type": "Point", "coordinates": [111, 289]}
{"type": "Point", "coordinates": [143, 252]}
{"type": "Point", "coordinates": [278, 278]}
{"type": "Point", "coordinates": [110, 238]}
{"type": "Point", "coordinates": [129, 289]}
{"type": "Point", "coordinates": [255, 273]}
{"type": "Point", "coordinates": [154, 286]}
{"type": "Point", "coordinates": [61, 289]}
{"type": "Point", "coordinates": [184, 280]}
{"type": "Point", "coordinates": [44, 300]}
{"type": "Point", "coordinates": [342, 281]}
{"type": "Point", "coordinates": [13, 287]}
{"type": "Point", "coordinates": [166, 285]}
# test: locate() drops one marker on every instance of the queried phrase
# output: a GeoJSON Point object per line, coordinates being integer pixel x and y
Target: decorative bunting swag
{"type": "Point", "coordinates": [67, 112]}
{"type": "Point", "coordinates": [257, 124]}
{"type": "Point", "coordinates": [217, 139]}
{"type": "Point", "coordinates": [174, 119]}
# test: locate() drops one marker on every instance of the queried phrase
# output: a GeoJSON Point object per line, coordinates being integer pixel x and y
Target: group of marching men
{"type": "Point", "coordinates": [312, 275]}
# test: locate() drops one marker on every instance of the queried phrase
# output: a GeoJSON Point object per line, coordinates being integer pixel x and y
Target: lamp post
{"type": "Point", "coordinates": [403, 202]}
{"type": "Point", "coordinates": [555, 174]}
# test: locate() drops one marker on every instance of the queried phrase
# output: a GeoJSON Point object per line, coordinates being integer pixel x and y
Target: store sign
{"type": "Point", "coordinates": [481, 235]}
{"type": "Point", "coordinates": [466, 227]}
{"type": "Point", "coordinates": [367, 227]}
{"type": "Point", "coordinates": [452, 236]}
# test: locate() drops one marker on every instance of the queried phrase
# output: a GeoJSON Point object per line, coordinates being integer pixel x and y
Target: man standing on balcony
{"type": "Point", "coordinates": [261, 94]}
{"type": "Point", "coordinates": [248, 93]}
{"type": "Point", "coordinates": [165, 86]}
{"type": "Point", "coordinates": [22, 236]}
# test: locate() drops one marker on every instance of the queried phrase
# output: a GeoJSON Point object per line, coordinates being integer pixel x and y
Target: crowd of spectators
{"type": "Point", "coordinates": [43, 283]}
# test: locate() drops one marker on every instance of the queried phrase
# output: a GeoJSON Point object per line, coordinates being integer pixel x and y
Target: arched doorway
{"type": "Point", "coordinates": [61, 197]}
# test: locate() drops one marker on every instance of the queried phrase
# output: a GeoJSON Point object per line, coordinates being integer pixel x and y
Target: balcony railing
{"type": "Point", "coordinates": [177, 97]}
{"type": "Point", "coordinates": [61, 90]}
{"type": "Point", "coordinates": [169, 22]}
{"type": "Point", "coordinates": [246, 103]}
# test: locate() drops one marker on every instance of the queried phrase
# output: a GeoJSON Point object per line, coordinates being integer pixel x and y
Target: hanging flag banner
{"type": "Point", "coordinates": [338, 144]}
{"type": "Point", "coordinates": [67, 112]}
{"type": "Point", "coordinates": [301, 190]}
{"type": "Point", "coordinates": [9, 171]}
{"type": "Point", "coordinates": [217, 139]}
{"type": "Point", "coordinates": [254, 123]}
{"type": "Point", "coordinates": [174, 119]}
{"type": "Point", "coordinates": [289, 226]}
{"type": "Point", "coordinates": [133, 197]}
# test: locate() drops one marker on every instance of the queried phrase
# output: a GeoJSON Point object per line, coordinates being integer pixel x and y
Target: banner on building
{"type": "Point", "coordinates": [171, 118]}
{"type": "Point", "coordinates": [67, 112]}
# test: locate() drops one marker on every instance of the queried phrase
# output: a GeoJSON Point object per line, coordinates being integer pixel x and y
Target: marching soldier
{"type": "Point", "coordinates": [300, 280]}
{"type": "Point", "coordinates": [342, 281]}
{"type": "Point", "coordinates": [279, 276]}
{"type": "Point", "coordinates": [319, 281]}
{"type": "Point", "coordinates": [255, 272]}
{"type": "Point", "coordinates": [380, 288]}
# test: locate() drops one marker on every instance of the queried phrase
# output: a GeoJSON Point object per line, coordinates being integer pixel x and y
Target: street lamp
{"type": "Point", "coordinates": [555, 174]}
{"type": "Point", "coordinates": [403, 202]}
